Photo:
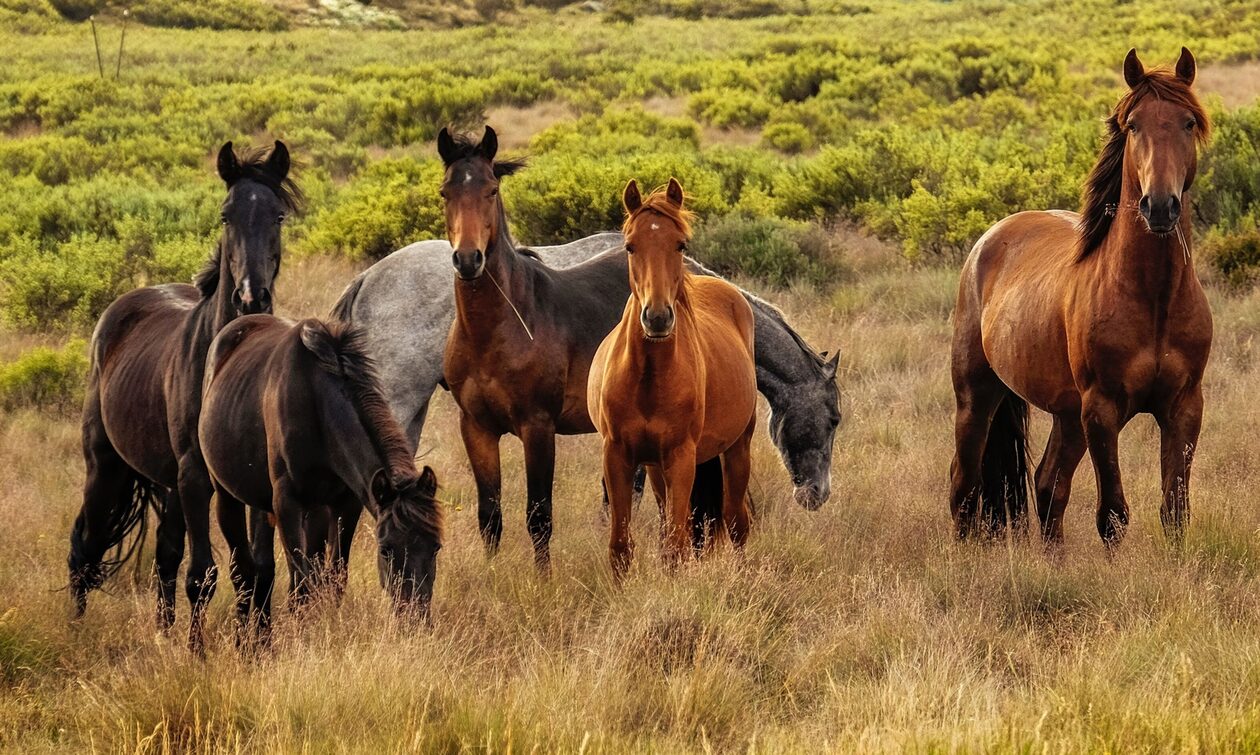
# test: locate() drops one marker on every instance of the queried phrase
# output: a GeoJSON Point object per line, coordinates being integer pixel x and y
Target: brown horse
{"type": "Point", "coordinates": [1093, 318]}
{"type": "Point", "coordinates": [148, 354]}
{"type": "Point", "coordinates": [674, 385]}
{"type": "Point", "coordinates": [294, 423]}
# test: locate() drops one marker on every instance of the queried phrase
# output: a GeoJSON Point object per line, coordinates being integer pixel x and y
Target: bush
{"type": "Point", "coordinates": [787, 137]}
{"type": "Point", "coordinates": [45, 378]}
{"type": "Point", "coordinates": [209, 14]}
{"type": "Point", "coordinates": [1235, 255]}
{"type": "Point", "coordinates": [778, 252]}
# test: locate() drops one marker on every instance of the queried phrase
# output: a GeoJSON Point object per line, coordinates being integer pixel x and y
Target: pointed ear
{"type": "Point", "coordinates": [229, 168]}
{"type": "Point", "coordinates": [1186, 67]}
{"type": "Point", "coordinates": [674, 192]}
{"type": "Point", "coordinates": [1134, 71]}
{"type": "Point", "coordinates": [631, 197]}
{"type": "Point", "coordinates": [278, 161]}
{"type": "Point", "coordinates": [428, 482]}
{"type": "Point", "coordinates": [830, 367]}
{"type": "Point", "coordinates": [489, 146]}
{"type": "Point", "coordinates": [446, 147]}
{"type": "Point", "coordinates": [383, 491]}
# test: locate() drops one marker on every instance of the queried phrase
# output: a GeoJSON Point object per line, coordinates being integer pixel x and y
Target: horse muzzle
{"type": "Point", "coordinates": [658, 323]}
{"type": "Point", "coordinates": [248, 301]}
{"type": "Point", "coordinates": [1160, 212]}
{"type": "Point", "coordinates": [468, 265]}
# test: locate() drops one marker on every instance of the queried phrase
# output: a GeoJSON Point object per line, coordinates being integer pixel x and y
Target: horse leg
{"type": "Point", "coordinates": [736, 469]}
{"type": "Point", "coordinates": [345, 523]}
{"type": "Point", "coordinates": [232, 524]}
{"type": "Point", "coordinates": [262, 536]}
{"type": "Point", "coordinates": [657, 478]}
{"type": "Point", "coordinates": [540, 470]}
{"type": "Point", "coordinates": [194, 494]}
{"type": "Point", "coordinates": [1103, 420]}
{"type": "Point", "coordinates": [1179, 437]}
{"type": "Point", "coordinates": [317, 525]}
{"type": "Point", "coordinates": [618, 480]}
{"type": "Point", "coordinates": [293, 538]}
{"type": "Point", "coordinates": [482, 446]}
{"type": "Point", "coordinates": [1064, 451]}
{"type": "Point", "coordinates": [170, 552]}
{"type": "Point", "coordinates": [680, 475]}
{"type": "Point", "coordinates": [977, 400]}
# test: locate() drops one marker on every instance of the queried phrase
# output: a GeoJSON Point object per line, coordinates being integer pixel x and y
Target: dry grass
{"type": "Point", "coordinates": [1238, 84]}
{"type": "Point", "coordinates": [860, 627]}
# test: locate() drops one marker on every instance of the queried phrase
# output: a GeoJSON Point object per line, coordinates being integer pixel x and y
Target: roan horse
{"type": "Point", "coordinates": [293, 423]}
{"type": "Point", "coordinates": [405, 305]}
{"type": "Point", "coordinates": [674, 384]}
{"type": "Point", "coordinates": [1093, 318]}
{"type": "Point", "coordinates": [143, 399]}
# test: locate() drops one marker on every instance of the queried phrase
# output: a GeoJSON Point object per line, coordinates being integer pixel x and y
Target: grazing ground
{"type": "Point", "coordinates": [861, 626]}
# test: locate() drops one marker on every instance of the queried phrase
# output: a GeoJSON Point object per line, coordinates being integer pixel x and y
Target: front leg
{"type": "Point", "coordinates": [482, 446]}
{"type": "Point", "coordinates": [1179, 438]}
{"type": "Point", "coordinates": [262, 536]}
{"type": "Point", "coordinates": [619, 482]}
{"type": "Point", "coordinates": [540, 469]}
{"type": "Point", "coordinates": [679, 470]}
{"type": "Point", "coordinates": [232, 524]}
{"type": "Point", "coordinates": [1103, 421]}
{"type": "Point", "coordinates": [345, 521]}
{"type": "Point", "coordinates": [194, 496]}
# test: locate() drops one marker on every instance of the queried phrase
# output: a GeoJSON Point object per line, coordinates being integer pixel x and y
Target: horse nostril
{"type": "Point", "coordinates": [264, 300]}
{"type": "Point", "coordinates": [1174, 208]}
{"type": "Point", "coordinates": [1144, 206]}
{"type": "Point", "coordinates": [478, 258]}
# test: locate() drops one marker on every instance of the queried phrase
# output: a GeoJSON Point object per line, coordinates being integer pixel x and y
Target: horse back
{"type": "Point", "coordinates": [131, 351]}
{"type": "Point", "coordinates": [724, 330]}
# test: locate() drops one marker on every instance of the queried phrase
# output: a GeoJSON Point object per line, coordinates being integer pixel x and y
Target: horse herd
{"type": "Point", "coordinates": [197, 393]}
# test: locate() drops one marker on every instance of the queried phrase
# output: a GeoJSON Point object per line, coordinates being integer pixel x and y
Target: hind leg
{"type": "Point", "coordinates": [1064, 451]}
{"type": "Point", "coordinates": [736, 469]}
{"type": "Point", "coordinates": [170, 552]}
{"type": "Point", "coordinates": [107, 493]}
{"type": "Point", "coordinates": [977, 398]}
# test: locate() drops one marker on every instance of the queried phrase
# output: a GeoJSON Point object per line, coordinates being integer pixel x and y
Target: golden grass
{"type": "Point", "coordinates": [863, 626]}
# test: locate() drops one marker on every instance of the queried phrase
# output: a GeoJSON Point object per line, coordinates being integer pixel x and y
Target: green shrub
{"type": "Point", "coordinates": [778, 252]}
{"type": "Point", "coordinates": [45, 378]}
{"type": "Point", "coordinates": [730, 108]}
{"type": "Point", "coordinates": [209, 14]}
{"type": "Point", "coordinates": [787, 137]}
{"type": "Point", "coordinates": [1235, 255]}
{"type": "Point", "coordinates": [77, 10]}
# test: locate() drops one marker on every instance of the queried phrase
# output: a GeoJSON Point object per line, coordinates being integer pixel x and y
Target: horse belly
{"type": "Point", "coordinates": [133, 410]}
{"type": "Point", "coordinates": [1025, 344]}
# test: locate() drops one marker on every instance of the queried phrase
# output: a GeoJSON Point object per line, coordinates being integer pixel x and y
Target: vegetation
{"type": "Point", "coordinates": [843, 156]}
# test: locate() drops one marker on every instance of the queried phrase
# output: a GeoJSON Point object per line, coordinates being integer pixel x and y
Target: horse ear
{"type": "Point", "coordinates": [674, 192]}
{"type": "Point", "coordinates": [489, 146]}
{"type": "Point", "coordinates": [1186, 67]}
{"type": "Point", "coordinates": [830, 367]}
{"type": "Point", "coordinates": [383, 491]}
{"type": "Point", "coordinates": [278, 161]}
{"type": "Point", "coordinates": [428, 481]}
{"type": "Point", "coordinates": [1134, 71]}
{"type": "Point", "coordinates": [229, 168]}
{"type": "Point", "coordinates": [446, 147]}
{"type": "Point", "coordinates": [631, 197]}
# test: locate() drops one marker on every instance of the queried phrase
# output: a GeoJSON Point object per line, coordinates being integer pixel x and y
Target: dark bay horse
{"type": "Point", "coordinates": [148, 354]}
{"type": "Point", "coordinates": [1093, 318]}
{"type": "Point", "coordinates": [674, 385]}
{"type": "Point", "coordinates": [293, 423]}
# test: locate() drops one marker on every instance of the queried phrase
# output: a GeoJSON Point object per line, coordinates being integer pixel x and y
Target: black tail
{"type": "Point", "coordinates": [106, 537]}
{"type": "Point", "coordinates": [1004, 469]}
{"type": "Point", "coordinates": [706, 502]}
{"type": "Point", "coordinates": [342, 310]}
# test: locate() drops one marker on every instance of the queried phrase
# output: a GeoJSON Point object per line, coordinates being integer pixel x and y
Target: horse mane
{"type": "Point", "coordinates": [660, 203]}
{"type": "Point", "coordinates": [426, 519]}
{"type": "Point", "coordinates": [1102, 188]}
{"type": "Point", "coordinates": [339, 348]}
{"type": "Point", "coordinates": [468, 147]}
{"type": "Point", "coordinates": [207, 280]}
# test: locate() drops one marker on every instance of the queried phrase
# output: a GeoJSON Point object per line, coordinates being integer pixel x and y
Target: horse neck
{"type": "Point", "coordinates": [782, 363]}
{"type": "Point", "coordinates": [1135, 259]}
{"type": "Point", "coordinates": [480, 307]}
{"type": "Point", "coordinates": [215, 311]}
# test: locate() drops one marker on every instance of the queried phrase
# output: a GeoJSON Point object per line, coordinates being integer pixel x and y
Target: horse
{"type": "Point", "coordinates": [1091, 317]}
{"type": "Point", "coordinates": [143, 397]}
{"type": "Point", "coordinates": [674, 385]}
{"type": "Point", "coordinates": [293, 423]}
{"type": "Point", "coordinates": [406, 305]}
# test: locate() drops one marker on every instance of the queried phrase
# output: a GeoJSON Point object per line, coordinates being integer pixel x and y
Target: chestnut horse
{"type": "Point", "coordinates": [148, 354]}
{"type": "Point", "coordinates": [674, 384]}
{"type": "Point", "coordinates": [294, 423]}
{"type": "Point", "coordinates": [1093, 318]}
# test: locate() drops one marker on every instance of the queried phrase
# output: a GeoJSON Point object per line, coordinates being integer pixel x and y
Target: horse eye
{"type": "Point", "coordinates": [494, 192]}
{"type": "Point", "coordinates": [682, 246]}
{"type": "Point", "coordinates": [1190, 124]}
{"type": "Point", "coordinates": [223, 220]}
{"type": "Point", "coordinates": [280, 218]}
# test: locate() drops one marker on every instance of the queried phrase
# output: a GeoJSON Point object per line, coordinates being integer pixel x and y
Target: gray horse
{"type": "Point", "coordinates": [405, 305]}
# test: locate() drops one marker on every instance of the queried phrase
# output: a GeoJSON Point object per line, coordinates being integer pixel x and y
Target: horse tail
{"type": "Point", "coordinates": [706, 502]}
{"type": "Point", "coordinates": [1004, 469]}
{"type": "Point", "coordinates": [100, 529]}
{"type": "Point", "coordinates": [342, 310]}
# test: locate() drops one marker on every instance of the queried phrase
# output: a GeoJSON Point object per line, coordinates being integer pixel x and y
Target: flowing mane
{"type": "Point", "coordinates": [1102, 188]}
{"type": "Point", "coordinates": [659, 203]}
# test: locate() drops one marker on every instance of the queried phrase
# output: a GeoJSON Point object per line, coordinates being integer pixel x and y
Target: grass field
{"type": "Point", "coordinates": [866, 144]}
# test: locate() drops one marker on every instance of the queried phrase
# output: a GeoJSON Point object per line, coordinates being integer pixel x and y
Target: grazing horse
{"type": "Point", "coordinates": [293, 423]}
{"type": "Point", "coordinates": [406, 304]}
{"type": "Point", "coordinates": [1093, 318]}
{"type": "Point", "coordinates": [674, 384]}
{"type": "Point", "coordinates": [148, 354]}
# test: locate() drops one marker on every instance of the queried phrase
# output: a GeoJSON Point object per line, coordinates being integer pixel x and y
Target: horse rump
{"type": "Point", "coordinates": [1004, 470]}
